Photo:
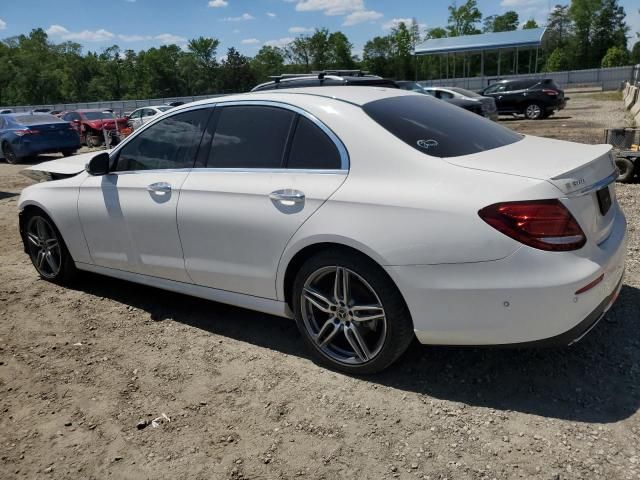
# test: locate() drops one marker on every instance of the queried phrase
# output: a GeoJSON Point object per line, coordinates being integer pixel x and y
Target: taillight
{"type": "Point", "coordinates": [542, 224]}
{"type": "Point", "coordinates": [25, 131]}
{"type": "Point", "coordinates": [553, 93]}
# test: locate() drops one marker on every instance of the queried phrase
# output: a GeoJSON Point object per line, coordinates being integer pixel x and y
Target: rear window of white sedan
{"type": "Point", "coordinates": [437, 128]}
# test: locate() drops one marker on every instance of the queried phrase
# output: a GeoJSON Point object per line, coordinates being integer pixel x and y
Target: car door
{"type": "Point", "coordinates": [135, 119]}
{"type": "Point", "coordinates": [129, 215]}
{"type": "Point", "coordinates": [148, 114]}
{"type": "Point", "coordinates": [269, 168]}
{"type": "Point", "coordinates": [497, 92]}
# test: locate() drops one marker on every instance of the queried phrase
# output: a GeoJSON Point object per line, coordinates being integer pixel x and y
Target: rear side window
{"type": "Point", "coordinates": [171, 143]}
{"type": "Point", "coordinates": [437, 128]}
{"type": "Point", "coordinates": [250, 137]}
{"type": "Point", "coordinates": [312, 148]}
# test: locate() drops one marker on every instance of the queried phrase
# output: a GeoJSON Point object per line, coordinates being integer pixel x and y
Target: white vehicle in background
{"type": "Point", "coordinates": [139, 117]}
{"type": "Point", "coordinates": [370, 215]}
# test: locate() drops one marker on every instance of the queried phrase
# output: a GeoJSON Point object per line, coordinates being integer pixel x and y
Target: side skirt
{"type": "Point", "coordinates": [264, 305]}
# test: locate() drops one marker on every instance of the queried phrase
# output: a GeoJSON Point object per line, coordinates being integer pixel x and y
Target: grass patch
{"type": "Point", "coordinates": [604, 96]}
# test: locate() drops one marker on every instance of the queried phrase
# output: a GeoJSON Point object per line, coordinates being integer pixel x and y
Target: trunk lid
{"type": "Point", "coordinates": [583, 174]}
{"type": "Point", "coordinates": [572, 167]}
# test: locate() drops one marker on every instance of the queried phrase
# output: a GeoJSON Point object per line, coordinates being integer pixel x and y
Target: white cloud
{"type": "Point", "coordinates": [300, 30]}
{"type": "Point", "coordinates": [100, 35]}
{"type": "Point", "coordinates": [103, 35]}
{"type": "Point", "coordinates": [394, 22]}
{"type": "Point", "coordinates": [250, 41]}
{"type": "Point", "coordinates": [242, 18]}
{"type": "Point", "coordinates": [271, 14]}
{"type": "Point", "coordinates": [330, 7]}
{"type": "Point", "coordinates": [281, 42]}
{"type": "Point", "coordinates": [536, 9]}
{"type": "Point", "coordinates": [169, 38]}
{"type": "Point", "coordinates": [360, 16]}
{"type": "Point", "coordinates": [3, 24]}
{"type": "Point", "coordinates": [354, 11]}
{"type": "Point", "coordinates": [218, 3]}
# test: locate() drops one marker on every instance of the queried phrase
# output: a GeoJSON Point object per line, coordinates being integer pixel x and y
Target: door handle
{"type": "Point", "coordinates": [160, 188]}
{"type": "Point", "coordinates": [287, 197]}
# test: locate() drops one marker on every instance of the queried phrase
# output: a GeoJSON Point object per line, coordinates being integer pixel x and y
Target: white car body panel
{"type": "Point", "coordinates": [219, 235]}
{"type": "Point", "coordinates": [130, 228]}
{"type": "Point", "coordinates": [247, 228]}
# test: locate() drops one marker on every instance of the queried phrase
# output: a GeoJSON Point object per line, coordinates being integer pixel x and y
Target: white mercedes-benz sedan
{"type": "Point", "coordinates": [372, 216]}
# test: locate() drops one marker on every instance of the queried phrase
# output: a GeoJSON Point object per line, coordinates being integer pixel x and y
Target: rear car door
{"type": "Point", "coordinates": [129, 215]}
{"type": "Point", "coordinates": [270, 167]}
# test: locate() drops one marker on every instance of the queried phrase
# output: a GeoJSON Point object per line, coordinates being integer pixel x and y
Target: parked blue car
{"type": "Point", "coordinates": [24, 135]}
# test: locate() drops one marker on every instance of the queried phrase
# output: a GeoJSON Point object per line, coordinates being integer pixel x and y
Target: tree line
{"type": "Point", "coordinates": [582, 34]}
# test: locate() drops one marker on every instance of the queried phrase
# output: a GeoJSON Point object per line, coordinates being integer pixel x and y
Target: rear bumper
{"type": "Point", "coordinates": [27, 149]}
{"type": "Point", "coordinates": [526, 298]}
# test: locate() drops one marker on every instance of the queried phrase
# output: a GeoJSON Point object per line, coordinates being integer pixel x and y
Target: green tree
{"type": "Point", "coordinates": [340, 56]}
{"type": "Point", "coordinates": [558, 61]}
{"type": "Point", "coordinates": [378, 55]}
{"type": "Point", "coordinates": [268, 61]}
{"type": "Point", "coordinates": [529, 24]}
{"type": "Point", "coordinates": [235, 73]}
{"type": "Point", "coordinates": [559, 27]}
{"type": "Point", "coordinates": [435, 32]}
{"type": "Point", "coordinates": [403, 44]}
{"type": "Point", "coordinates": [502, 23]}
{"type": "Point", "coordinates": [203, 50]}
{"type": "Point", "coordinates": [463, 19]}
{"type": "Point", "coordinates": [615, 57]}
{"type": "Point", "coordinates": [609, 28]}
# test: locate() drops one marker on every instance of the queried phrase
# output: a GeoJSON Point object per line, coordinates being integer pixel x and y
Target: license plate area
{"type": "Point", "coordinates": [604, 200]}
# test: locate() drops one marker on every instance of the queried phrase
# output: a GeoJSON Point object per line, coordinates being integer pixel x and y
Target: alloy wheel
{"type": "Point", "coordinates": [343, 315]}
{"type": "Point", "coordinates": [534, 111]}
{"type": "Point", "coordinates": [44, 247]}
{"type": "Point", "coordinates": [9, 154]}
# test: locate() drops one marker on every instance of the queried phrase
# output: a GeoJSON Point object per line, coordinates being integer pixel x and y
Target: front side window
{"type": "Point", "coordinates": [438, 129]}
{"type": "Point", "coordinates": [311, 148]}
{"type": "Point", "coordinates": [171, 143]}
{"type": "Point", "coordinates": [136, 115]}
{"type": "Point", "coordinates": [250, 137]}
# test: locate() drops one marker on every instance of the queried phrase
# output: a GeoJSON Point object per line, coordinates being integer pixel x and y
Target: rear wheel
{"type": "Point", "coordinates": [350, 314]}
{"type": "Point", "coordinates": [92, 141]}
{"type": "Point", "coordinates": [533, 111]}
{"type": "Point", "coordinates": [47, 250]}
{"type": "Point", "coordinates": [9, 154]}
{"type": "Point", "coordinates": [625, 169]}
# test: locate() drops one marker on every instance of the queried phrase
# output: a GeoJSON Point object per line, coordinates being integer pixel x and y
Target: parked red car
{"type": "Point", "coordinates": [92, 123]}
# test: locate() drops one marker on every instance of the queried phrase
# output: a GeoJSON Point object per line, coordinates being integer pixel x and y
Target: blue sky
{"type": "Point", "coordinates": [245, 24]}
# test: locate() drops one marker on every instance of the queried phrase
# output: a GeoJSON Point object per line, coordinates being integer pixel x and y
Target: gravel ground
{"type": "Point", "coordinates": [81, 367]}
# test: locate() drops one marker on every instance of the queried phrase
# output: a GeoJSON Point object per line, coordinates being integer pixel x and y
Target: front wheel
{"type": "Point", "coordinates": [534, 112]}
{"type": "Point", "coordinates": [351, 315]}
{"type": "Point", "coordinates": [47, 250]}
{"type": "Point", "coordinates": [9, 154]}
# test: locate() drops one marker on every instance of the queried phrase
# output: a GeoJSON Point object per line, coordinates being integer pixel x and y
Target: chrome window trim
{"type": "Point", "coordinates": [342, 150]}
{"type": "Point", "coordinates": [272, 170]}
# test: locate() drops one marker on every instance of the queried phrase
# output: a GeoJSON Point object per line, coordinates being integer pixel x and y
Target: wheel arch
{"type": "Point", "coordinates": [26, 210]}
{"type": "Point", "coordinates": [297, 259]}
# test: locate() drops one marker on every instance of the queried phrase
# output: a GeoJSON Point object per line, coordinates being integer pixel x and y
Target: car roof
{"type": "Point", "coordinates": [328, 80]}
{"type": "Point", "coordinates": [353, 95]}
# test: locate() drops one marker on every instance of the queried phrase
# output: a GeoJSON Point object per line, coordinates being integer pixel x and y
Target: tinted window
{"type": "Point", "coordinates": [312, 148]}
{"type": "Point", "coordinates": [444, 95]}
{"type": "Point", "coordinates": [437, 128]}
{"type": "Point", "coordinates": [170, 143]}
{"type": "Point", "coordinates": [97, 115]}
{"type": "Point", "coordinates": [36, 119]}
{"type": "Point", "coordinates": [250, 137]}
{"type": "Point", "coordinates": [497, 87]}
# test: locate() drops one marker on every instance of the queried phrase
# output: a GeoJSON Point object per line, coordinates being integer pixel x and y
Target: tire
{"type": "Point", "coordinates": [92, 141]}
{"type": "Point", "coordinates": [534, 111]}
{"type": "Point", "coordinates": [68, 153]}
{"type": "Point", "coordinates": [9, 154]}
{"type": "Point", "coordinates": [626, 169]}
{"type": "Point", "coordinates": [330, 327]}
{"type": "Point", "coordinates": [47, 250]}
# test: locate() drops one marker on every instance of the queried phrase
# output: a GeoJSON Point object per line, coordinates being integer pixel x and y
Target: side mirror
{"type": "Point", "coordinates": [98, 165]}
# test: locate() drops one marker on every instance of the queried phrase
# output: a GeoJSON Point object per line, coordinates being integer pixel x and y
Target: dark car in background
{"type": "Point", "coordinates": [92, 124]}
{"type": "Point", "coordinates": [483, 106]}
{"type": "Point", "coordinates": [534, 98]}
{"type": "Point", "coordinates": [24, 135]}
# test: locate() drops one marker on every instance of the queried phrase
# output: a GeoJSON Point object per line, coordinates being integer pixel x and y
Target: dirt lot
{"type": "Point", "coordinates": [79, 368]}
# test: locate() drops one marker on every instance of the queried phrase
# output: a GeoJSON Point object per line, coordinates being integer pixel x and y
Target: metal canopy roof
{"type": "Point", "coordinates": [484, 41]}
